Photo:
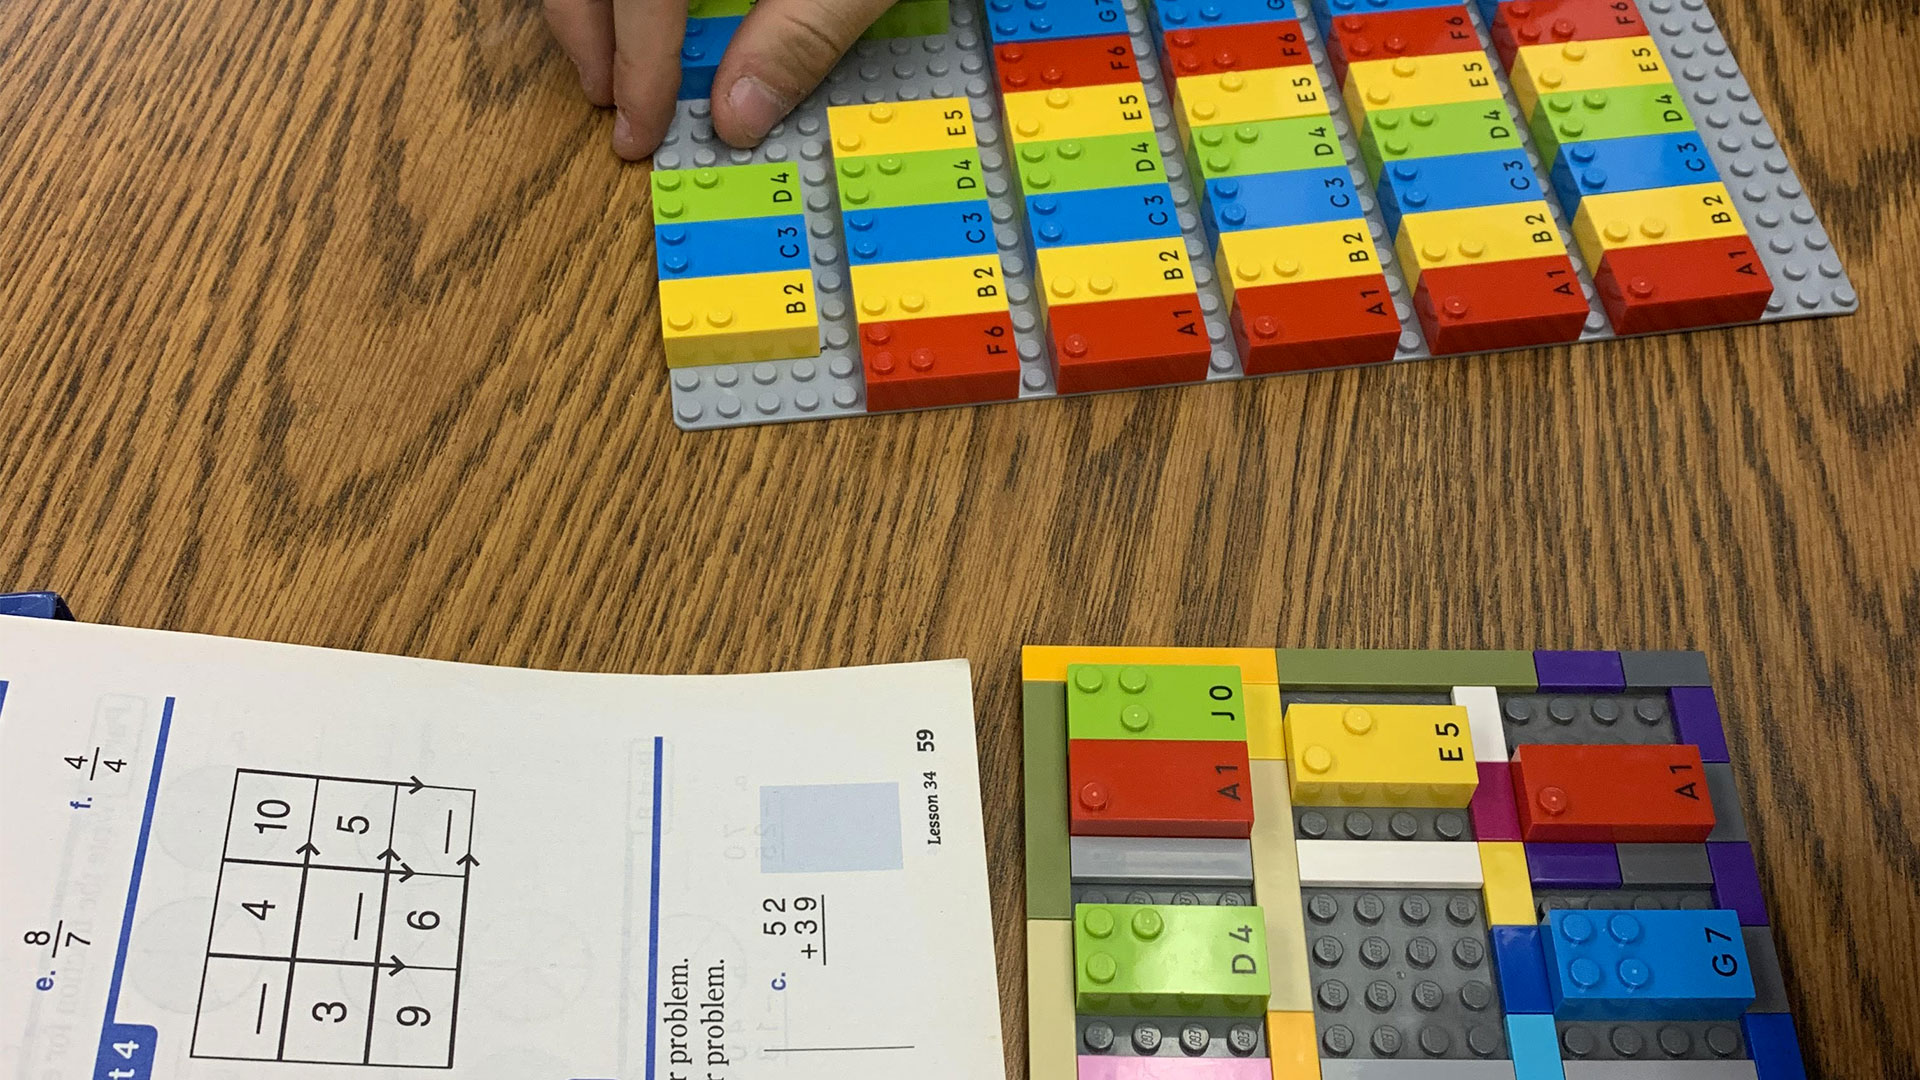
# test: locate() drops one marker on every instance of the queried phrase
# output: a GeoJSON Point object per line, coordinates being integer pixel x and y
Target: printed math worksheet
{"type": "Point", "coordinates": [235, 860]}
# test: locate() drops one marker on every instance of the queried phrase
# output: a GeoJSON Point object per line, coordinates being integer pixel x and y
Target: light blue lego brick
{"type": "Point", "coordinates": [35, 605]}
{"type": "Point", "coordinates": [912, 233]}
{"type": "Point", "coordinates": [1774, 1046]}
{"type": "Point", "coordinates": [1647, 965]}
{"type": "Point", "coordinates": [1178, 14]}
{"type": "Point", "coordinates": [1103, 216]}
{"type": "Point", "coordinates": [1275, 199]}
{"type": "Point", "coordinates": [1455, 182]}
{"type": "Point", "coordinates": [1047, 20]}
{"type": "Point", "coordinates": [1520, 960]}
{"type": "Point", "coordinates": [1634, 163]}
{"type": "Point", "coordinates": [1328, 10]}
{"type": "Point", "coordinates": [1535, 1046]}
{"type": "Point", "coordinates": [700, 53]}
{"type": "Point", "coordinates": [733, 246]}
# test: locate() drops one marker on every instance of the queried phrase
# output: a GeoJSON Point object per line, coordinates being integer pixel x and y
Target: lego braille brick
{"type": "Point", "coordinates": [1108, 215]}
{"type": "Point", "coordinates": [1079, 112]}
{"type": "Point", "coordinates": [1213, 50]}
{"type": "Point", "coordinates": [1266, 736]}
{"type": "Point", "coordinates": [1521, 23]}
{"type": "Point", "coordinates": [1044, 768]}
{"type": "Point", "coordinates": [1294, 254]}
{"type": "Point", "coordinates": [1039, 20]}
{"type": "Point", "coordinates": [1050, 1026]}
{"type": "Point", "coordinates": [1500, 305]}
{"type": "Point", "coordinates": [1329, 10]}
{"type": "Point", "coordinates": [1775, 1046]}
{"type": "Point", "coordinates": [1575, 67]}
{"type": "Point", "coordinates": [1050, 663]}
{"type": "Point", "coordinates": [1404, 669]}
{"type": "Point", "coordinates": [1410, 864]}
{"type": "Point", "coordinates": [1635, 163]}
{"type": "Point", "coordinates": [739, 318]}
{"type": "Point", "coordinates": [949, 360]}
{"type": "Point", "coordinates": [1628, 219]}
{"type": "Point", "coordinates": [1170, 15]}
{"type": "Point", "coordinates": [1204, 702]}
{"type": "Point", "coordinates": [1476, 236]}
{"type": "Point", "coordinates": [1142, 1068]}
{"type": "Point", "coordinates": [1380, 823]}
{"type": "Point", "coordinates": [1383, 35]}
{"type": "Point", "coordinates": [1505, 884]}
{"type": "Point", "coordinates": [1277, 200]}
{"type": "Point", "coordinates": [1535, 1046]}
{"type": "Point", "coordinates": [1455, 182]}
{"type": "Point", "coordinates": [1769, 984]}
{"type": "Point", "coordinates": [1736, 882]}
{"type": "Point", "coordinates": [1158, 859]}
{"type": "Point", "coordinates": [1573, 866]}
{"type": "Point", "coordinates": [1291, 1046]}
{"type": "Point", "coordinates": [1139, 787]}
{"type": "Point", "coordinates": [1579, 670]}
{"type": "Point", "coordinates": [910, 18]}
{"type": "Point", "coordinates": [1302, 142]}
{"type": "Point", "coordinates": [1332, 322]}
{"type": "Point", "coordinates": [1089, 164]}
{"type": "Point", "coordinates": [1587, 718]}
{"type": "Point", "coordinates": [1147, 959]}
{"type": "Point", "coordinates": [1729, 821]}
{"type": "Point", "coordinates": [1494, 813]}
{"type": "Point", "coordinates": [1380, 755]}
{"type": "Point", "coordinates": [1172, 1040]}
{"type": "Point", "coordinates": [1683, 285]}
{"type": "Point", "coordinates": [968, 285]}
{"type": "Point", "coordinates": [1127, 270]}
{"type": "Point", "coordinates": [1118, 344]}
{"type": "Point", "coordinates": [1615, 113]}
{"type": "Point", "coordinates": [1520, 958]}
{"type": "Point", "coordinates": [1647, 965]}
{"type": "Point", "coordinates": [1664, 668]}
{"type": "Point", "coordinates": [1663, 864]}
{"type": "Point", "coordinates": [1065, 62]}
{"type": "Point", "coordinates": [896, 234]}
{"type": "Point", "coordinates": [916, 179]}
{"type": "Point", "coordinates": [757, 245]}
{"type": "Point", "coordinates": [901, 127]}
{"type": "Point", "coordinates": [1468, 127]}
{"type": "Point", "coordinates": [1242, 97]}
{"type": "Point", "coordinates": [732, 191]}
{"type": "Point", "coordinates": [700, 51]}
{"type": "Point", "coordinates": [1407, 82]}
{"type": "Point", "coordinates": [1611, 794]}
{"type": "Point", "coordinates": [1636, 1048]}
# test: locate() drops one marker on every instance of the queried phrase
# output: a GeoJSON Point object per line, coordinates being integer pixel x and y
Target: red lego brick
{"type": "Point", "coordinates": [1065, 63]}
{"type": "Point", "coordinates": [1119, 344]}
{"type": "Point", "coordinates": [1209, 50]}
{"type": "Point", "coordinates": [1383, 35]}
{"type": "Point", "coordinates": [1680, 286]}
{"type": "Point", "coordinates": [1315, 324]}
{"type": "Point", "coordinates": [1500, 305]}
{"type": "Point", "coordinates": [1519, 23]}
{"type": "Point", "coordinates": [1612, 794]}
{"type": "Point", "coordinates": [949, 360]}
{"type": "Point", "coordinates": [1158, 787]}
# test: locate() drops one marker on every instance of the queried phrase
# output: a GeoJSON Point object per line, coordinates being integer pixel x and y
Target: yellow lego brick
{"type": "Point", "coordinates": [1290, 253]}
{"type": "Point", "coordinates": [1266, 739]}
{"type": "Point", "coordinates": [1380, 755]}
{"type": "Point", "coordinates": [1081, 112]}
{"type": "Point", "coordinates": [900, 127]}
{"type": "Point", "coordinates": [1504, 880]}
{"type": "Point", "coordinates": [1243, 97]}
{"type": "Point", "coordinates": [1276, 885]}
{"type": "Point", "coordinates": [739, 317]}
{"type": "Point", "coordinates": [1051, 1042]}
{"type": "Point", "coordinates": [1293, 1045]}
{"type": "Point", "coordinates": [1622, 219]}
{"type": "Point", "coordinates": [1048, 663]}
{"type": "Point", "coordinates": [1405, 82]}
{"type": "Point", "coordinates": [1572, 67]}
{"type": "Point", "coordinates": [1128, 270]}
{"type": "Point", "coordinates": [964, 285]}
{"type": "Point", "coordinates": [1480, 234]}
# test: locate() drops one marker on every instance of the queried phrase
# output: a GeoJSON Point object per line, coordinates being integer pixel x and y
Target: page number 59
{"type": "Point", "coordinates": [923, 740]}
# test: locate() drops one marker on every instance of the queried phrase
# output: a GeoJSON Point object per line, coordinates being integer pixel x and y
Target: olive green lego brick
{"type": "Point", "coordinates": [717, 9]}
{"type": "Point", "coordinates": [1156, 701]}
{"type": "Point", "coordinates": [1655, 109]}
{"type": "Point", "coordinates": [1664, 669]}
{"type": "Point", "coordinates": [1151, 959]}
{"type": "Point", "coordinates": [1426, 131]}
{"type": "Point", "coordinates": [918, 179]}
{"type": "Point", "coordinates": [910, 18]}
{"type": "Point", "coordinates": [1044, 726]}
{"type": "Point", "coordinates": [725, 192]}
{"type": "Point", "coordinates": [1406, 669]}
{"type": "Point", "coordinates": [1303, 142]}
{"type": "Point", "coordinates": [1102, 161]}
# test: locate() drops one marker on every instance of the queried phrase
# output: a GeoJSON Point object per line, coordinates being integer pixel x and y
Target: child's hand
{"type": "Point", "coordinates": [628, 53]}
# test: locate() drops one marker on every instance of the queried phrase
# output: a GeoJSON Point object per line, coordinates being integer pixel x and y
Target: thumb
{"type": "Point", "coordinates": [780, 53]}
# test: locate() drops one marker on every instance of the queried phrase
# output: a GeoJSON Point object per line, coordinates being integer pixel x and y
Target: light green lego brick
{"type": "Point", "coordinates": [1618, 113]}
{"type": "Point", "coordinates": [717, 9]}
{"type": "Point", "coordinates": [1043, 710]}
{"type": "Point", "coordinates": [1102, 161]}
{"type": "Point", "coordinates": [1405, 669]}
{"type": "Point", "coordinates": [910, 18]}
{"type": "Point", "coordinates": [1426, 131]}
{"type": "Point", "coordinates": [1154, 959]}
{"type": "Point", "coordinates": [1156, 701]}
{"type": "Point", "coordinates": [917, 179]}
{"type": "Point", "coordinates": [1304, 142]}
{"type": "Point", "coordinates": [724, 193]}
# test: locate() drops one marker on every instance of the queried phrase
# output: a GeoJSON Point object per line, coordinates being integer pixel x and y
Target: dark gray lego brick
{"type": "Point", "coordinates": [1668, 899]}
{"type": "Point", "coordinates": [1763, 959]}
{"type": "Point", "coordinates": [1360, 697]}
{"type": "Point", "coordinates": [1650, 1040]}
{"type": "Point", "coordinates": [1663, 669]}
{"type": "Point", "coordinates": [1660, 1070]}
{"type": "Point", "coordinates": [1402, 974]}
{"type": "Point", "coordinates": [1146, 860]}
{"type": "Point", "coordinates": [1192, 893]}
{"type": "Point", "coordinates": [1378, 823]}
{"type": "Point", "coordinates": [1611, 719]}
{"type": "Point", "coordinates": [1334, 1069]}
{"type": "Point", "coordinates": [1170, 1036]}
{"type": "Point", "coordinates": [1663, 864]}
{"type": "Point", "coordinates": [1729, 821]}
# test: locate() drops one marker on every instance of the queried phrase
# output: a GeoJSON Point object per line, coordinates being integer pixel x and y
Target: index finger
{"type": "Point", "coordinates": [647, 35]}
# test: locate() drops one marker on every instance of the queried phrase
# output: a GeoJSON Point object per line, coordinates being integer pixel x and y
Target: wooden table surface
{"type": "Point", "coordinates": [333, 323]}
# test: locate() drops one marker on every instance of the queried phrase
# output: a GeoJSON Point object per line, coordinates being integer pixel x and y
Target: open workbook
{"type": "Point", "coordinates": [232, 859]}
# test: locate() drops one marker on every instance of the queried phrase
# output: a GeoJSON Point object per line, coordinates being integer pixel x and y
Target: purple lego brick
{"type": "Point", "coordinates": [1578, 670]}
{"type": "Point", "coordinates": [1696, 719]}
{"type": "Point", "coordinates": [1573, 866]}
{"type": "Point", "coordinates": [1736, 882]}
{"type": "Point", "coordinates": [1495, 817]}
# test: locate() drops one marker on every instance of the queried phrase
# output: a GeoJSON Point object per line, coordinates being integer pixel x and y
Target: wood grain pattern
{"type": "Point", "coordinates": [333, 323]}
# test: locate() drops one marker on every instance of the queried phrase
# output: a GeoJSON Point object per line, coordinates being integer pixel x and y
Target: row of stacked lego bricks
{"type": "Point", "coordinates": [711, 24]}
{"type": "Point", "coordinates": [1655, 224]}
{"type": "Point", "coordinates": [1440, 864]}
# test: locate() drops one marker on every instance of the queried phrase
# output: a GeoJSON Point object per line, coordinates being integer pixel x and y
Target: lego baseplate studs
{"type": "Point", "coordinates": [1003, 199]}
{"type": "Point", "coordinates": [1260, 864]}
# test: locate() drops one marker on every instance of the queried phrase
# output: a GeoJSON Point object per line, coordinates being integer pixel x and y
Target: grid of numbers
{"type": "Point", "coordinates": [339, 922]}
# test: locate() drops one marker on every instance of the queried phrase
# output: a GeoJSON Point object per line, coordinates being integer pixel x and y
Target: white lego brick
{"type": "Point", "coordinates": [1161, 859]}
{"type": "Point", "coordinates": [1439, 864]}
{"type": "Point", "coordinates": [1483, 721]}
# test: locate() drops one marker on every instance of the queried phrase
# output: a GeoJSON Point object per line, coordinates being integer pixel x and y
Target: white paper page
{"type": "Point", "coordinates": [233, 860]}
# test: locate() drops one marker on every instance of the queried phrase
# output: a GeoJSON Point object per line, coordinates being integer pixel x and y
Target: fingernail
{"type": "Point", "coordinates": [756, 106]}
{"type": "Point", "coordinates": [622, 128]}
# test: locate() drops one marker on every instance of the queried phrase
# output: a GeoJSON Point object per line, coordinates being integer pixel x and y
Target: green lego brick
{"type": "Point", "coordinates": [725, 192]}
{"type": "Point", "coordinates": [1654, 109]}
{"type": "Point", "coordinates": [1426, 131]}
{"type": "Point", "coordinates": [717, 9]}
{"type": "Point", "coordinates": [1102, 161]}
{"type": "Point", "coordinates": [1043, 711]}
{"type": "Point", "coordinates": [910, 18]}
{"type": "Point", "coordinates": [1303, 142]}
{"type": "Point", "coordinates": [1154, 959]}
{"type": "Point", "coordinates": [916, 179]}
{"type": "Point", "coordinates": [1405, 669]}
{"type": "Point", "coordinates": [1155, 701]}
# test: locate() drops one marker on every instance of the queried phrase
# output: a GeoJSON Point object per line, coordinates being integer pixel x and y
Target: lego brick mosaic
{"type": "Point", "coordinates": [1040, 197]}
{"type": "Point", "coordinates": [1261, 864]}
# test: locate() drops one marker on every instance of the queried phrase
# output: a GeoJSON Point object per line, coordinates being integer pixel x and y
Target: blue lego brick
{"type": "Point", "coordinates": [1455, 182]}
{"type": "Point", "coordinates": [1275, 199]}
{"type": "Point", "coordinates": [1634, 163]}
{"type": "Point", "coordinates": [759, 245]}
{"type": "Point", "coordinates": [1176, 14]}
{"type": "Point", "coordinates": [700, 53]}
{"type": "Point", "coordinates": [35, 605]}
{"type": "Point", "coordinates": [1647, 965]}
{"type": "Point", "coordinates": [1328, 10]}
{"type": "Point", "coordinates": [1103, 216]}
{"type": "Point", "coordinates": [1774, 1046]}
{"type": "Point", "coordinates": [1521, 962]}
{"type": "Point", "coordinates": [913, 233]}
{"type": "Point", "coordinates": [1535, 1045]}
{"type": "Point", "coordinates": [1047, 20]}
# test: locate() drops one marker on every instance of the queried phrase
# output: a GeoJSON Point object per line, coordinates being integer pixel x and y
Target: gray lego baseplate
{"type": "Point", "coordinates": [1587, 719]}
{"type": "Point", "coordinates": [1794, 248]}
{"type": "Point", "coordinates": [1381, 823]}
{"type": "Point", "coordinates": [1170, 1036]}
